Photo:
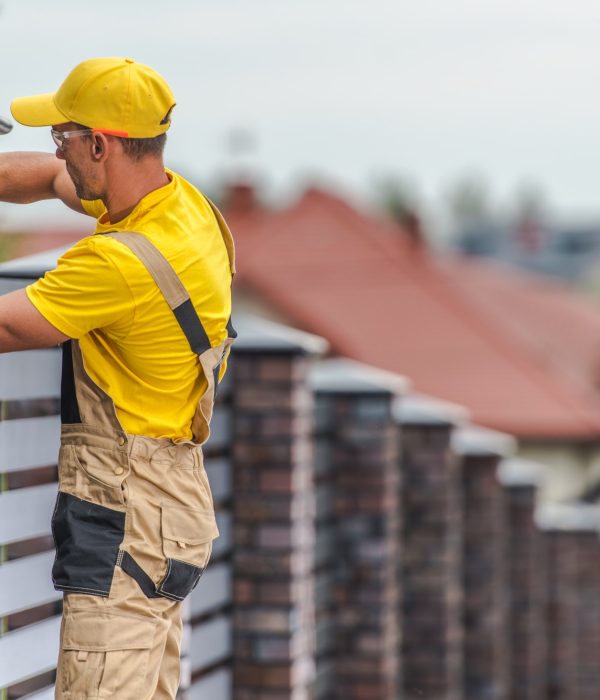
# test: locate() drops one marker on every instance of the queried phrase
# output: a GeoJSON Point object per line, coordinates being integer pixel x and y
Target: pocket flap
{"type": "Point", "coordinates": [108, 467]}
{"type": "Point", "coordinates": [94, 630]}
{"type": "Point", "coordinates": [188, 525]}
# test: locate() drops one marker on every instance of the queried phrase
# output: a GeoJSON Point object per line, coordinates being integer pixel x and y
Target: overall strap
{"type": "Point", "coordinates": [170, 285]}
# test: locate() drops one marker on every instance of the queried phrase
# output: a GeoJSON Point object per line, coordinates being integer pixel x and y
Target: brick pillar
{"type": "Point", "coordinates": [431, 565]}
{"type": "Point", "coordinates": [527, 581]}
{"type": "Point", "coordinates": [273, 514]}
{"type": "Point", "coordinates": [485, 566]}
{"type": "Point", "coordinates": [358, 434]}
{"type": "Point", "coordinates": [573, 613]}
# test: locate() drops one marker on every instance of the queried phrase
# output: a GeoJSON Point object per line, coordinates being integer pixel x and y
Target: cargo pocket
{"type": "Point", "coordinates": [100, 473]}
{"type": "Point", "coordinates": [87, 538]}
{"type": "Point", "coordinates": [187, 535]}
{"type": "Point", "coordinates": [104, 655]}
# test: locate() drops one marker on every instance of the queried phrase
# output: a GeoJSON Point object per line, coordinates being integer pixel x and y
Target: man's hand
{"type": "Point", "coordinates": [22, 326]}
{"type": "Point", "coordinates": [29, 177]}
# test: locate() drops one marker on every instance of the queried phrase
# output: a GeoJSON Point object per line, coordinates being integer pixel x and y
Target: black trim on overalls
{"type": "Point", "coordinates": [69, 408]}
{"type": "Point", "coordinates": [87, 537]}
{"type": "Point", "coordinates": [192, 326]}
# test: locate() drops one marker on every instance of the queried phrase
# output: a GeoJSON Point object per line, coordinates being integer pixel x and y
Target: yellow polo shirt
{"type": "Point", "coordinates": [132, 345]}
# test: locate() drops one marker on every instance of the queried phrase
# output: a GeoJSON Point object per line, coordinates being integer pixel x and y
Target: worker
{"type": "Point", "coordinates": [142, 309]}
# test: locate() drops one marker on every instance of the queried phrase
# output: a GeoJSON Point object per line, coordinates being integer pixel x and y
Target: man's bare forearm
{"type": "Point", "coordinates": [28, 177]}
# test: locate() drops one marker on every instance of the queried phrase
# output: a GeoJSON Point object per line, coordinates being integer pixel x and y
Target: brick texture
{"type": "Point", "coordinates": [273, 528]}
{"type": "Point", "coordinates": [528, 640]}
{"type": "Point", "coordinates": [485, 580]}
{"type": "Point", "coordinates": [573, 671]}
{"type": "Point", "coordinates": [359, 480]}
{"type": "Point", "coordinates": [431, 565]}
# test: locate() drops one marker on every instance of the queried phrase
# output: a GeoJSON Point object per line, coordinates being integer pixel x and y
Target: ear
{"type": "Point", "coordinates": [99, 146]}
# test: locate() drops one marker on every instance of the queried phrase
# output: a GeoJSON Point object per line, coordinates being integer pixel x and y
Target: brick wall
{"type": "Point", "coordinates": [274, 516]}
{"type": "Point", "coordinates": [485, 564]}
{"type": "Point", "coordinates": [358, 441]}
{"type": "Point", "coordinates": [528, 641]}
{"type": "Point", "coordinates": [573, 592]}
{"type": "Point", "coordinates": [431, 566]}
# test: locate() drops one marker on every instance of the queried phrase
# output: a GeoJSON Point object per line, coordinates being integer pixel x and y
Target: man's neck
{"type": "Point", "coordinates": [130, 185]}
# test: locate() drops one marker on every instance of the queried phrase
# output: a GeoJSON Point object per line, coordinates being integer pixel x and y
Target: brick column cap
{"type": "Point", "coordinates": [568, 517]}
{"type": "Point", "coordinates": [476, 441]}
{"type": "Point", "coordinates": [517, 471]}
{"type": "Point", "coordinates": [420, 409]}
{"type": "Point", "coordinates": [259, 335]}
{"type": "Point", "coordinates": [340, 375]}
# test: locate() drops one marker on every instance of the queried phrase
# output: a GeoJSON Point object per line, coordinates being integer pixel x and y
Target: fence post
{"type": "Point", "coordinates": [527, 580]}
{"type": "Point", "coordinates": [485, 562]}
{"type": "Point", "coordinates": [359, 434]}
{"type": "Point", "coordinates": [273, 534]}
{"type": "Point", "coordinates": [573, 615]}
{"type": "Point", "coordinates": [431, 565]}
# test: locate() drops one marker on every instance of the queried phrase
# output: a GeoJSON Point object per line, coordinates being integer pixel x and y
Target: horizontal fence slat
{"type": "Point", "coordinates": [222, 544]}
{"type": "Point", "coordinates": [25, 513]}
{"type": "Point", "coordinates": [9, 285]}
{"type": "Point", "coordinates": [216, 686]}
{"type": "Point", "coordinates": [218, 471]}
{"type": "Point", "coordinates": [29, 651]}
{"type": "Point", "coordinates": [26, 443]}
{"type": "Point", "coordinates": [45, 694]}
{"type": "Point", "coordinates": [26, 583]}
{"type": "Point", "coordinates": [220, 428]}
{"type": "Point", "coordinates": [30, 374]}
{"type": "Point", "coordinates": [211, 642]}
{"type": "Point", "coordinates": [213, 591]}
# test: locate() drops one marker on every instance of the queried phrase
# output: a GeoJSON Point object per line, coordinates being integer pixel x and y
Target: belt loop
{"type": "Point", "coordinates": [130, 443]}
{"type": "Point", "coordinates": [196, 457]}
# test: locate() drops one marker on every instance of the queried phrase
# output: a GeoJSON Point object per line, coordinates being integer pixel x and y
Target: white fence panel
{"type": "Point", "coordinates": [214, 686]}
{"type": "Point", "coordinates": [26, 513]}
{"type": "Point", "coordinates": [218, 471]}
{"type": "Point", "coordinates": [222, 544]}
{"type": "Point", "coordinates": [26, 443]}
{"type": "Point", "coordinates": [45, 694]}
{"type": "Point", "coordinates": [26, 583]}
{"type": "Point", "coordinates": [213, 589]}
{"type": "Point", "coordinates": [220, 428]}
{"type": "Point", "coordinates": [30, 374]}
{"type": "Point", "coordinates": [29, 651]}
{"type": "Point", "coordinates": [211, 642]}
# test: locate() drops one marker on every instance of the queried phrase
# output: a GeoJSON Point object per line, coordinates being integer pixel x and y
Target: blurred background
{"type": "Point", "coordinates": [414, 185]}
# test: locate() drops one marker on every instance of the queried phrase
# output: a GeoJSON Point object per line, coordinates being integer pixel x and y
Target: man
{"type": "Point", "coordinates": [142, 309]}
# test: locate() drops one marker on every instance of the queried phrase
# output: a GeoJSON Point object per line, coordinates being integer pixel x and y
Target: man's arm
{"type": "Point", "coordinates": [29, 177]}
{"type": "Point", "coordinates": [22, 326]}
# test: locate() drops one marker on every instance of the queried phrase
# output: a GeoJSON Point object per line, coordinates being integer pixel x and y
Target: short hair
{"type": "Point", "coordinates": [137, 149]}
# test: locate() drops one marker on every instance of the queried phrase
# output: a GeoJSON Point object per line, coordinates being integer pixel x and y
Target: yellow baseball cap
{"type": "Point", "coordinates": [114, 95]}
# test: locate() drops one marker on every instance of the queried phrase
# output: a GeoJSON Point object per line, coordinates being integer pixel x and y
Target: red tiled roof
{"type": "Point", "coordinates": [522, 353]}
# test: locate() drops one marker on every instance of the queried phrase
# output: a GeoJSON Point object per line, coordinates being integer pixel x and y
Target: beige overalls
{"type": "Point", "coordinates": [134, 521]}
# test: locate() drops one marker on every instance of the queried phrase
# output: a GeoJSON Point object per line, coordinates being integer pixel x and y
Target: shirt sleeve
{"type": "Point", "coordinates": [85, 292]}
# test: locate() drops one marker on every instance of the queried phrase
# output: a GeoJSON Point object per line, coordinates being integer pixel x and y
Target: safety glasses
{"type": "Point", "coordinates": [61, 137]}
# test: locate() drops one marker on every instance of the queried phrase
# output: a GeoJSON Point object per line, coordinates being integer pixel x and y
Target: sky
{"type": "Point", "coordinates": [343, 92]}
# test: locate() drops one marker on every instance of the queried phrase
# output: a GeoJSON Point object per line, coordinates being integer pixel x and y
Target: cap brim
{"type": "Point", "coordinates": [37, 110]}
